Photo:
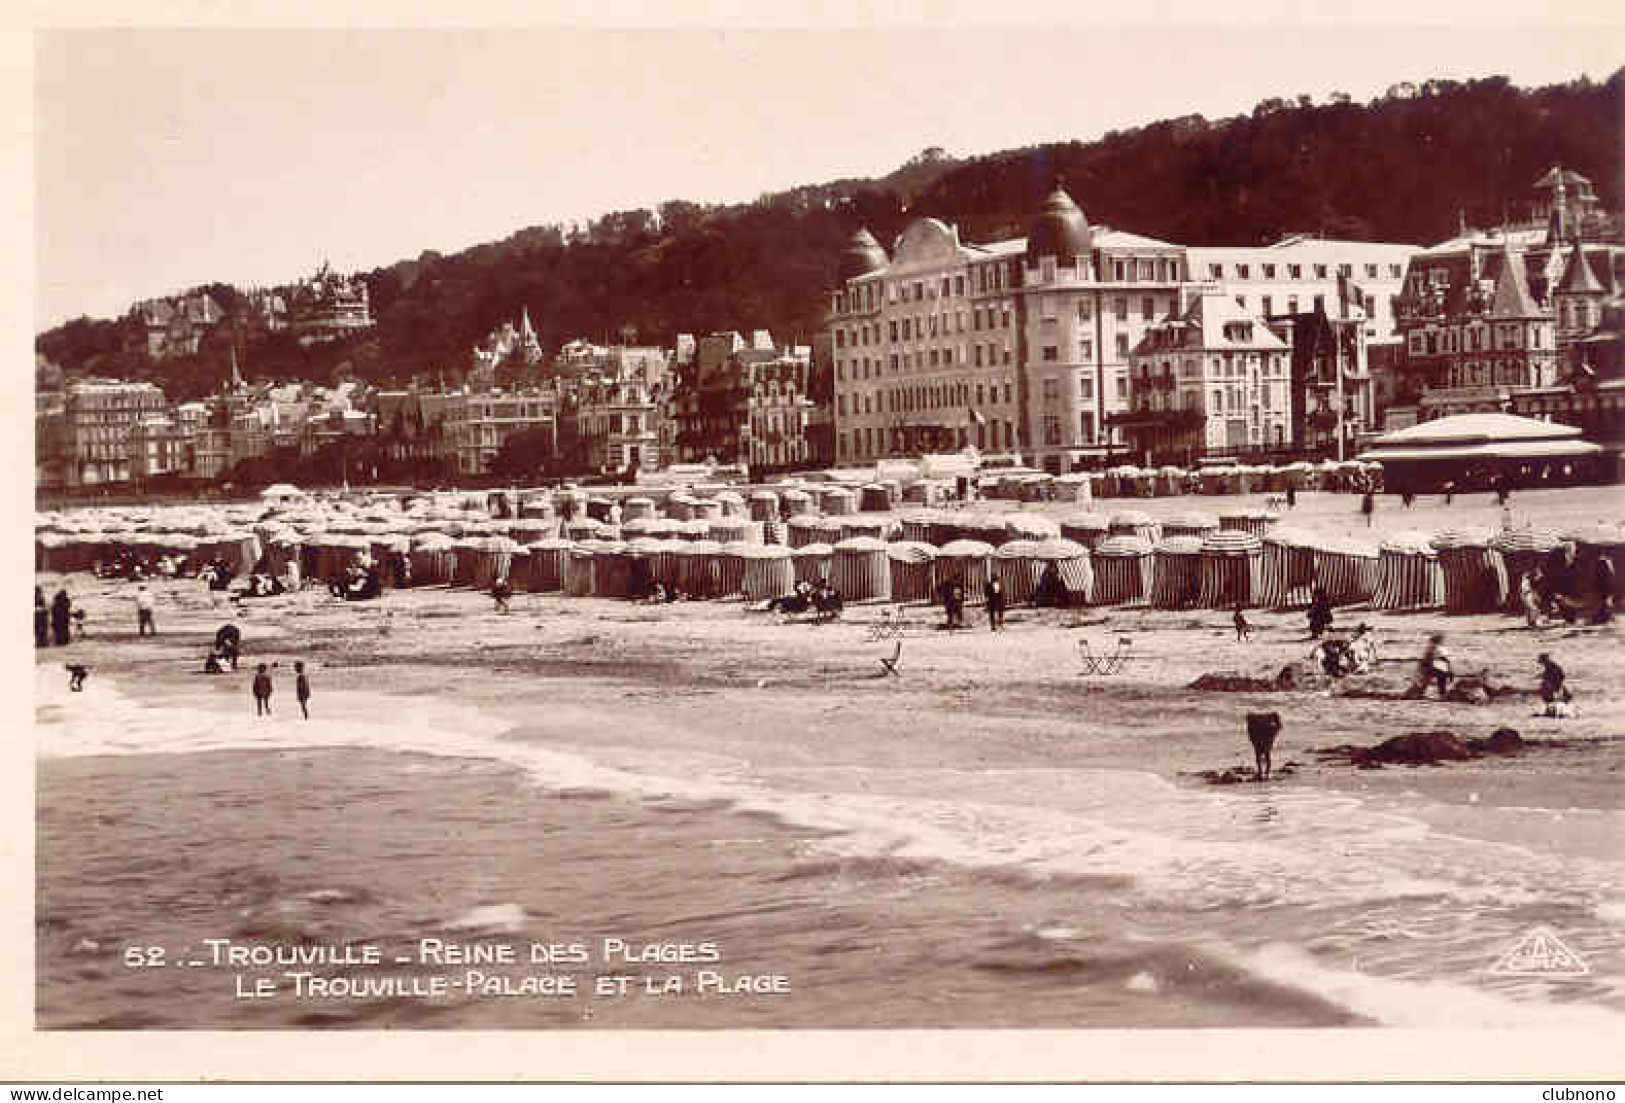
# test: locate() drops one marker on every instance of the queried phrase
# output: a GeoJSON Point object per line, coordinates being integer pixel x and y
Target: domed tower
{"type": "Point", "coordinates": [861, 256]}
{"type": "Point", "coordinates": [1060, 230]}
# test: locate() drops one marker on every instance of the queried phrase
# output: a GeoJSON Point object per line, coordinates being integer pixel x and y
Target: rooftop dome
{"type": "Point", "coordinates": [1060, 230]}
{"type": "Point", "coordinates": [861, 256]}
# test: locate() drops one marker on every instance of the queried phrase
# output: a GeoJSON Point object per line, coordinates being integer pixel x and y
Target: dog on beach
{"type": "Point", "coordinates": [1262, 728]}
{"type": "Point", "coordinates": [76, 676]}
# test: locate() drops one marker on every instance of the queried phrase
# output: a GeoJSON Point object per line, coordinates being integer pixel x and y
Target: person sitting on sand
{"type": "Point", "coordinates": [1434, 666]}
{"type": "Point", "coordinates": [77, 673]}
{"type": "Point", "coordinates": [1362, 650]}
{"type": "Point", "coordinates": [262, 690]}
{"type": "Point", "coordinates": [215, 663]}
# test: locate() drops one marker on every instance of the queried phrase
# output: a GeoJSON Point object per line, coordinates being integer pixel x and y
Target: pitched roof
{"type": "Point", "coordinates": [1578, 279]}
{"type": "Point", "coordinates": [1512, 298]}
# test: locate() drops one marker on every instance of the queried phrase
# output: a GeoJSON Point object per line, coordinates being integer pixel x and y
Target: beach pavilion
{"type": "Point", "coordinates": [1471, 448]}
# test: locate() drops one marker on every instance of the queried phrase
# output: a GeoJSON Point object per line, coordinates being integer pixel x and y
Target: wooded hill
{"type": "Point", "coordinates": [1405, 167]}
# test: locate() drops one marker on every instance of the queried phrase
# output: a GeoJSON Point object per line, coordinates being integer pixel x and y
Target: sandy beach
{"type": "Point", "coordinates": [994, 837]}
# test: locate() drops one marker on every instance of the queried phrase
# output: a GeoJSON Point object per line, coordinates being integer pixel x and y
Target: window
{"type": "Point", "coordinates": [959, 285]}
{"type": "Point", "coordinates": [1295, 271]}
{"type": "Point", "coordinates": [1122, 345]}
{"type": "Point", "coordinates": [1291, 304]}
{"type": "Point", "coordinates": [1046, 305]}
{"type": "Point", "coordinates": [1269, 305]}
{"type": "Point", "coordinates": [1345, 270]}
{"type": "Point", "coordinates": [1117, 271]}
{"type": "Point", "coordinates": [1007, 401]}
{"type": "Point", "coordinates": [1215, 271]}
{"type": "Point", "coordinates": [1052, 429]}
{"type": "Point", "coordinates": [1046, 269]}
{"type": "Point", "coordinates": [1120, 308]}
{"type": "Point", "coordinates": [1086, 350]}
{"type": "Point", "coordinates": [1051, 353]}
{"type": "Point", "coordinates": [1242, 271]}
{"type": "Point", "coordinates": [1122, 387]}
{"type": "Point", "coordinates": [1320, 304]}
{"type": "Point", "coordinates": [1371, 271]}
{"type": "Point", "coordinates": [1006, 322]}
{"type": "Point", "coordinates": [1269, 271]}
{"type": "Point", "coordinates": [1086, 426]}
{"type": "Point", "coordinates": [840, 404]}
{"type": "Point", "coordinates": [1086, 388]}
{"type": "Point", "coordinates": [1083, 310]}
{"type": "Point", "coordinates": [1148, 308]}
{"type": "Point", "coordinates": [1320, 271]}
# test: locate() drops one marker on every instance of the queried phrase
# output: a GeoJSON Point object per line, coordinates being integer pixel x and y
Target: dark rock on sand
{"type": "Point", "coordinates": [1290, 677]}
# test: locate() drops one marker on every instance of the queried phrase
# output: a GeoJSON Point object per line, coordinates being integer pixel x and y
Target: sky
{"type": "Point", "coordinates": [166, 158]}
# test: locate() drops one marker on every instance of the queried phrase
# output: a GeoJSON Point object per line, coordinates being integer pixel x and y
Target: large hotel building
{"type": "Point", "coordinates": [1024, 345]}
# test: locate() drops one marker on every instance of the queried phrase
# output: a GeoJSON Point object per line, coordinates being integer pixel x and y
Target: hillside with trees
{"type": "Point", "coordinates": [1405, 167]}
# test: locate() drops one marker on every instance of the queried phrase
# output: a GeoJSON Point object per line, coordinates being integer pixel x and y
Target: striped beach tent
{"type": "Point", "coordinates": [1408, 573]}
{"type": "Point", "coordinates": [705, 509]}
{"type": "Point", "coordinates": [493, 561]}
{"type": "Point", "coordinates": [968, 562]}
{"type": "Point", "coordinates": [1073, 562]}
{"type": "Point", "coordinates": [731, 559]}
{"type": "Point", "coordinates": [925, 492]}
{"type": "Point", "coordinates": [1231, 564]}
{"type": "Point", "coordinates": [1288, 569]}
{"type": "Point", "coordinates": [764, 505]}
{"type": "Point", "coordinates": [1190, 523]}
{"type": "Point", "coordinates": [699, 568]}
{"type": "Point", "coordinates": [665, 562]}
{"type": "Point", "coordinates": [797, 501]}
{"type": "Point", "coordinates": [1347, 569]}
{"type": "Point", "coordinates": [598, 507]}
{"type": "Point", "coordinates": [812, 561]}
{"type": "Point", "coordinates": [1171, 481]}
{"type": "Point", "coordinates": [583, 528]}
{"type": "Point", "coordinates": [1030, 526]}
{"type": "Point", "coordinates": [1521, 551]}
{"type": "Point", "coordinates": [946, 527]}
{"type": "Point", "coordinates": [531, 529]}
{"type": "Point", "coordinates": [1088, 529]}
{"type": "Point", "coordinates": [1256, 521]}
{"type": "Point", "coordinates": [691, 531]}
{"type": "Point", "coordinates": [534, 507]}
{"type": "Point", "coordinates": [1474, 578]}
{"type": "Point", "coordinates": [735, 530]}
{"type": "Point", "coordinates": [986, 527]}
{"type": "Point", "coordinates": [769, 572]}
{"type": "Point", "coordinates": [874, 498]}
{"type": "Point", "coordinates": [861, 569]}
{"type": "Point", "coordinates": [1018, 568]}
{"type": "Point", "coordinates": [916, 525]}
{"type": "Point", "coordinates": [801, 530]}
{"type": "Point", "coordinates": [837, 501]}
{"type": "Point", "coordinates": [547, 566]}
{"type": "Point", "coordinates": [865, 524]}
{"type": "Point", "coordinates": [1176, 576]}
{"type": "Point", "coordinates": [1038, 488]}
{"type": "Point", "coordinates": [680, 506]}
{"type": "Point", "coordinates": [911, 563]}
{"type": "Point", "coordinates": [433, 556]}
{"type": "Point", "coordinates": [1122, 570]}
{"type": "Point", "coordinates": [637, 508]}
{"type": "Point", "coordinates": [732, 504]}
{"type": "Point", "coordinates": [384, 549]}
{"type": "Point", "coordinates": [829, 530]}
{"type": "Point", "coordinates": [1134, 523]}
{"type": "Point", "coordinates": [1590, 544]}
{"type": "Point", "coordinates": [578, 580]}
{"type": "Point", "coordinates": [611, 569]}
{"type": "Point", "coordinates": [773, 532]}
{"type": "Point", "coordinates": [1072, 488]}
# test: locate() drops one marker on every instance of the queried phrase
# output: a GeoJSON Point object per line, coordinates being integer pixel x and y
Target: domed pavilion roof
{"type": "Point", "coordinates": [861, 256]}
{"type": "Point", "coordinates": [1060, 230]}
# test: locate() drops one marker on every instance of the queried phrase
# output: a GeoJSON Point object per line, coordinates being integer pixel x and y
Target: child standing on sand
{"type": "Point", "coordinates": [262, 691]}
{"type": "Point", "coordinates": [301, 689]}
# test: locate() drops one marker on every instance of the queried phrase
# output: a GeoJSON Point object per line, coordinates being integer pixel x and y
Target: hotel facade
{"type": "Point", "coordinates": [1025, 345]}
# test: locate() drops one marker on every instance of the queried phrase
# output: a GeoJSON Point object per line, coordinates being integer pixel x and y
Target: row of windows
{"type": "Point", "coordinates": [1295, 271]}
{"type": "Point", "coordinates": [924, 397]}
{"type": "Point", "coordinates": [1503, 336]}
{"type": "Point", "coordinates": [872, 442]}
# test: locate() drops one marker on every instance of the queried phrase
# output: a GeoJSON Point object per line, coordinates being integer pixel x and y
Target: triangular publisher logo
{"type": "Point", "coordinates": [1540, 953]}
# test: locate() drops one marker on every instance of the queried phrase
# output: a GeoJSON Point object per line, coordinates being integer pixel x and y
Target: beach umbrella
{"type": "Point", "coordinates": [1176, 576]}
{"type": "Point", "coordinates": [911, 562]}
{"type": "Point", "coordinates": [1408, 573]}
{"type": "Point", "coordinates": [1474, 576]}
{"type": "Point", "coordinates": [1230, 569]}
{"type": "Point", "coordinates": [1122, 566]}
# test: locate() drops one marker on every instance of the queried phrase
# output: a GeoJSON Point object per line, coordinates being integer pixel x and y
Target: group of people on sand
{"type": "Point", "coordinates": [54, 621]}
{"type": "Point", "coordinates": [264, 688]}
{"type": "Point", "coordinates": [357, 583]}
{"type": "Point", "coordinates": [951, 593]}
{"type": "Point", "coordinates": [1551, 590]}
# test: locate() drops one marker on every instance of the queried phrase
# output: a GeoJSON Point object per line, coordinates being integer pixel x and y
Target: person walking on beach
{"type": "Point", "coordinates": [42, 619]}
{"type": "Point", "coordinates": [1320, 612]}
{"type": "Point", "coordinates": [1605, 588]}
{"type": "Point", "coordinates": [262, 691]}
{"type": "Point", "coordinates": [301, 689]}
{"type": "Point", "coordinates": [1529, 597]}
{"type": "Point", "coordinates": [1551, 679]}
{"type": "Point", "coordinates": [1434, 666]}
{"type": "Point", "coordinates": [1291, 495]}
{"type": "Point", "coordinates": [994, 593]}
{"type": "Point", "coordinates": [61, 618]}
{"type": "Point", "coordinates": [1243, 629]}
{"type": "Point", "coordinates": [1368, 506]}
{"type": "Point", "coordinates": [144, 624]}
